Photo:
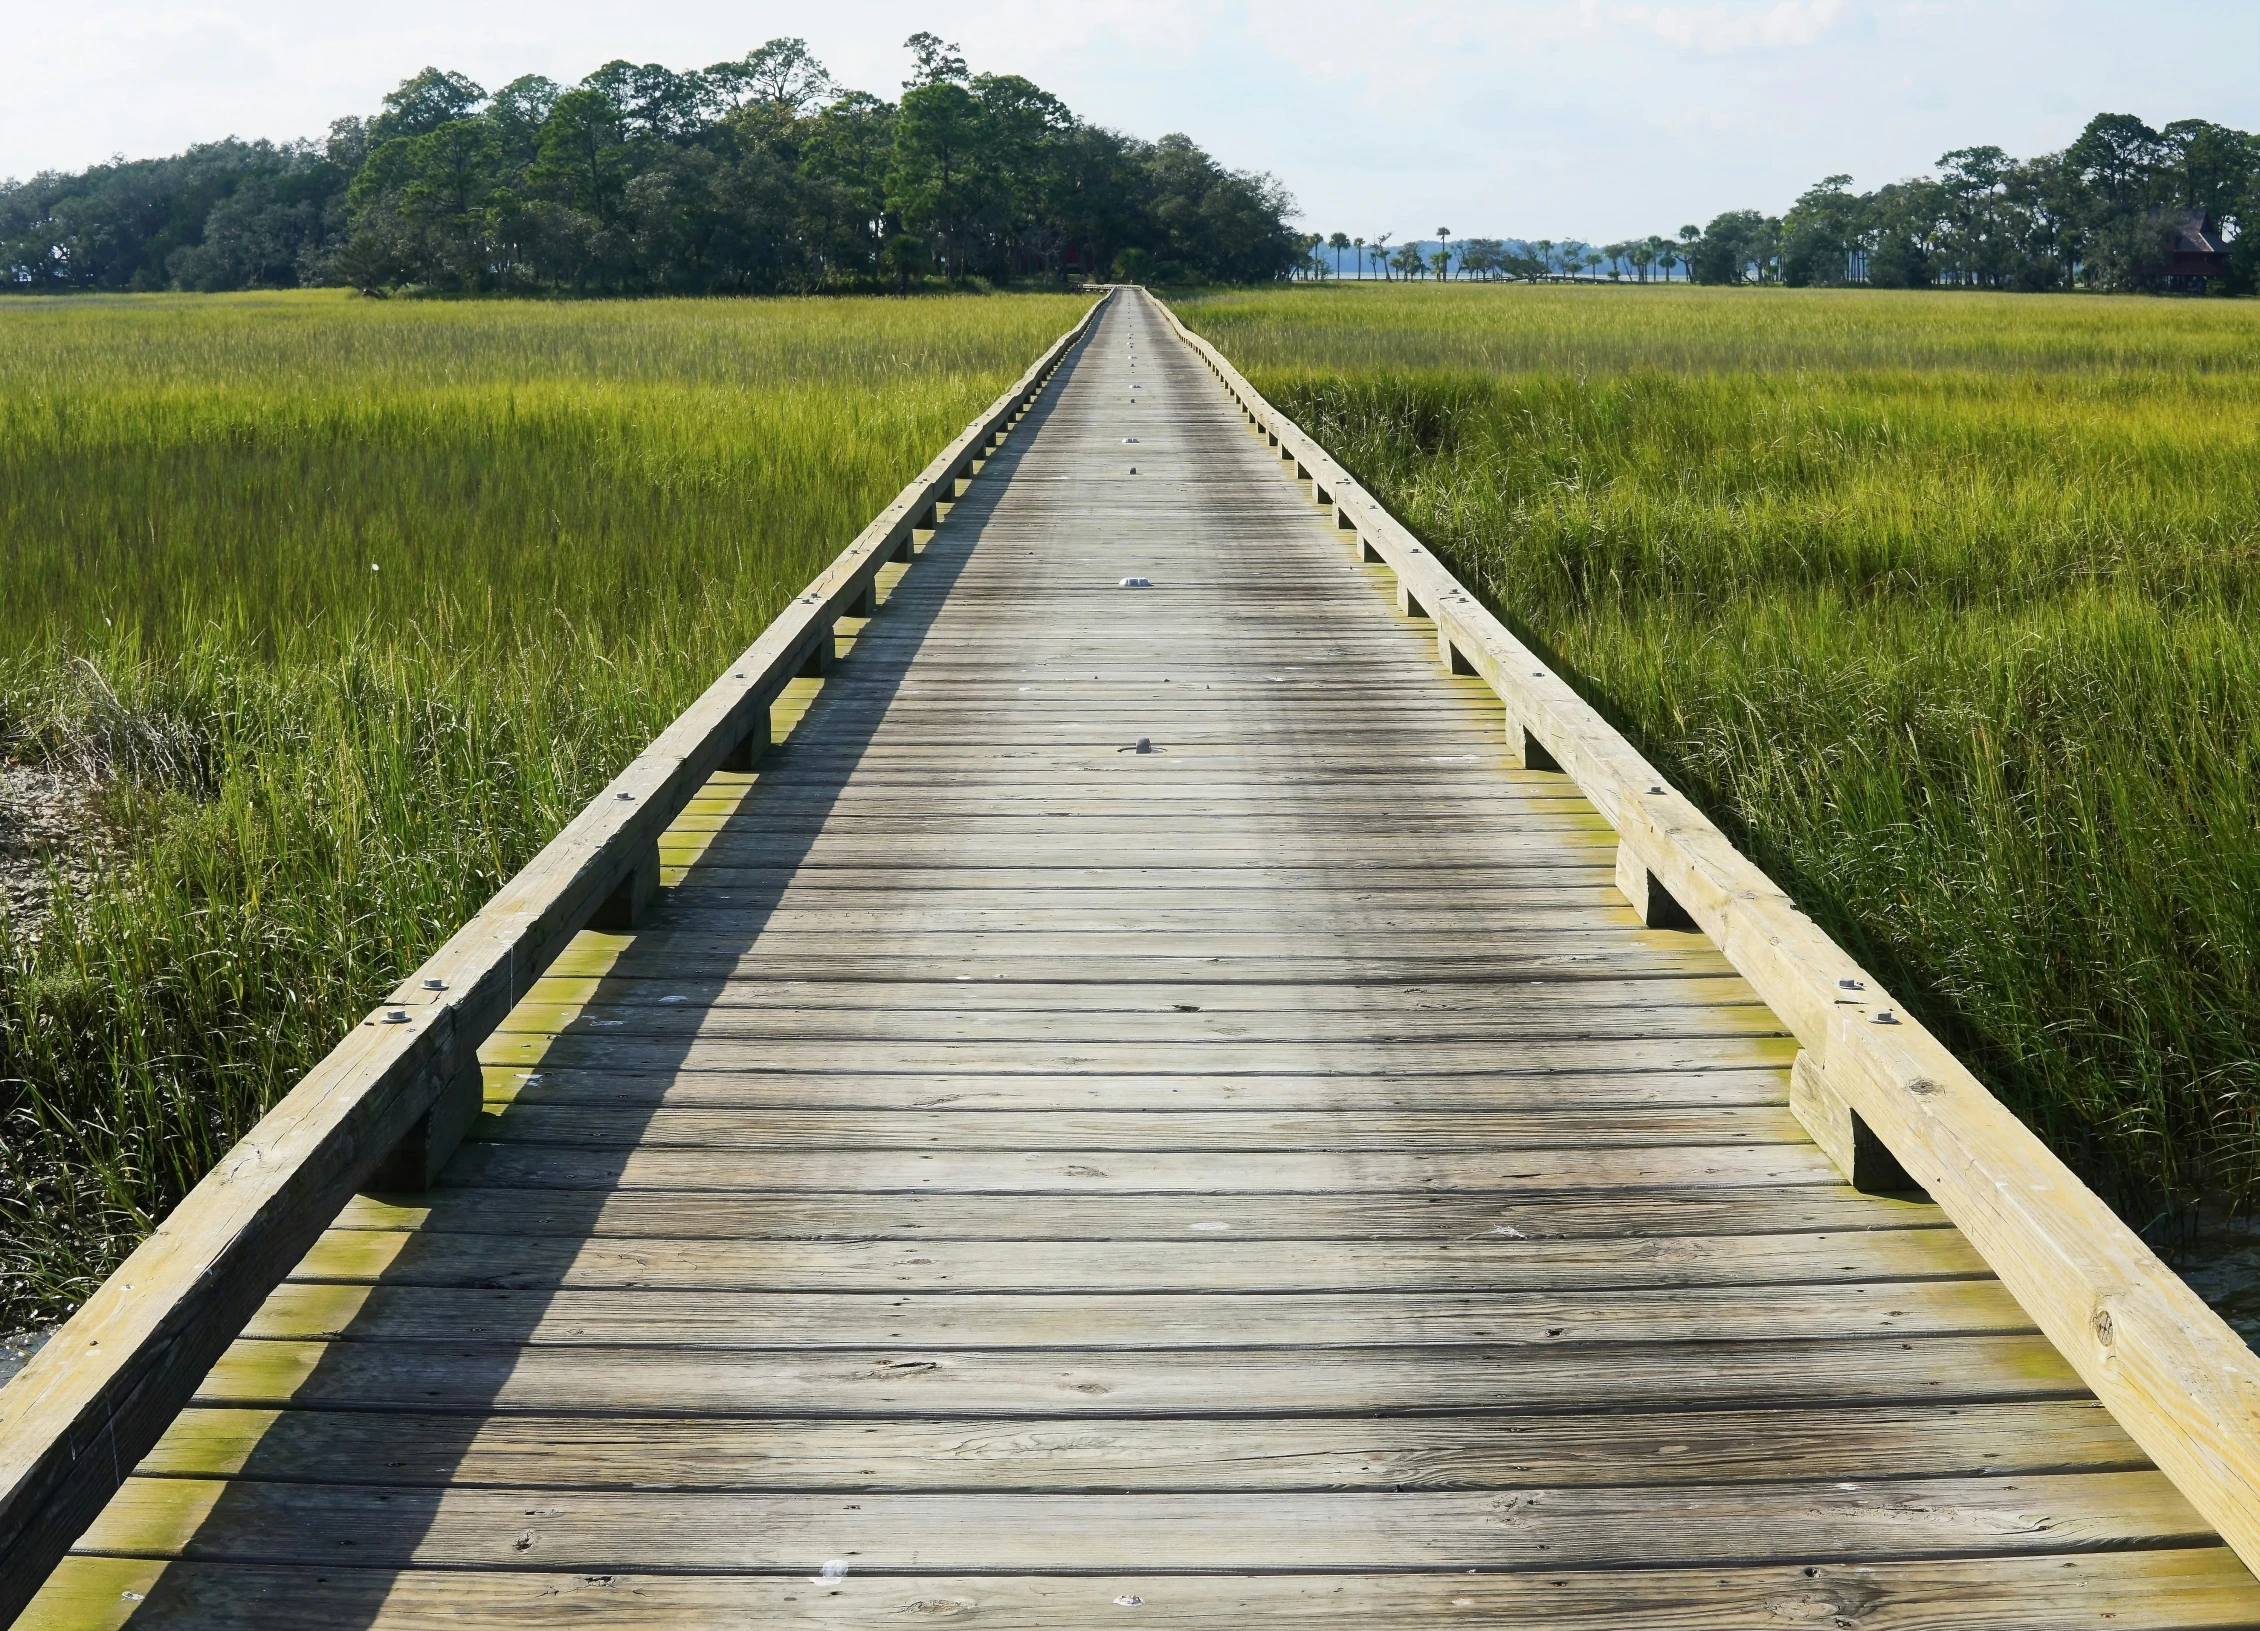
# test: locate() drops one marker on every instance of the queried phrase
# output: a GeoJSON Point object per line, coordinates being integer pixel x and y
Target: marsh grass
{"type": "Point", "coordinates": [1943, 606]}
{"type": "Point", "coordinates": [574, 516]}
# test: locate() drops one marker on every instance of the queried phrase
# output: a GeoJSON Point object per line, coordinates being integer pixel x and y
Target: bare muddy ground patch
{"type": "Point", "coordinates": [50, 825]}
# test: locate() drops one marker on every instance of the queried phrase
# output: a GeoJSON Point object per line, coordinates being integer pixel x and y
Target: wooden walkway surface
{"type": "Point", "coordinates": [1269, 1179]}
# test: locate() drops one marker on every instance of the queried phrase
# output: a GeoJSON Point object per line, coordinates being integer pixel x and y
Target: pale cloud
{"type": "Point", "coordinates": [1719, 29]}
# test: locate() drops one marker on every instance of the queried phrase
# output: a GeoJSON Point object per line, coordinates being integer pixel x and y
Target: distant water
{"type": "Point", "coordinates": [16, 1351]}
{"type": "Point", "coordinates": [2221, 1262]}
{"type": "Point", "coordinates": [1427, 247]}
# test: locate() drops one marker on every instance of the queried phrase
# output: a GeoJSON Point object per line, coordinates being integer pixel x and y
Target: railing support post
{"type": "Point", "coordinates": [415, 1161]}
{"type": "Point", "coordinates": [752, 748]}
{"type": "Point", "coordinates": [1654, 903]}
{"type": "Point", "coordinates": [630, 897]}
{"type": "Point", "coordinates": [1842, 1134]}
{"type": "Point", "coordinates": [1526, 751]}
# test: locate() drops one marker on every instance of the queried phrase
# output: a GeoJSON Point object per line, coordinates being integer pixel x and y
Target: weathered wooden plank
{"type": "Point", "coordinates": [939, 1381]}
{"type": "Point", "coordinates": [1126, 1172]}
{"type": "Point", "coordinates": [727, 1532]}
{"type": "Point", "coordinates": [855, 798]}
{"type": "Point", "coordinates": [911, 1321]}
{"type": "Point", "coordinates": [776, 1132]}
{"type": "Point", "coordinates": [1566, 1091]}
{"type": "Point", "coordinates": [1216, 1260]}
{"type": "Point", "coordinates": [1037, 1453]}
{"type": "Point", "coordinates": [1256, 959]}
{"type": "Point", "coordinates": [710, 908]}
{"type": "Point", "coordinates": [614, 1050]}
{"type": "Point", "coordinates": [2162, 1590]}
{"type": "Point", "coordinates": [638, 981]}
{"type": "Point", "coordinates": [776, 1024]}
{"type": "Point", "coordinates": [693, 1215]}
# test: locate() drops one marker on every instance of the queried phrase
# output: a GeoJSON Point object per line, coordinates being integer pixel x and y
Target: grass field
{"type": "Point", "coordinates": [342, 608]}
{"type": "Point", "coordinates": [1947, 607]}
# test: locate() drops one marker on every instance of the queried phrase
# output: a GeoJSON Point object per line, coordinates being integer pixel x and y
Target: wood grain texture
{"type": "Point", "coordinates": [257, 1521]}
{"type": "Point", "coordinates": [1445, 1218]}
{"type": "Point", "coordinates": [1216, 1260]}
{"type": "Point", "coordinates": [885, 1384]}
{"type": "Point", "coordinates": [1173, 1453]}
{"type": "Point", "coordinates": [1256, 1180]}
{"type": "Point", "coordinates": [2165, 1590]}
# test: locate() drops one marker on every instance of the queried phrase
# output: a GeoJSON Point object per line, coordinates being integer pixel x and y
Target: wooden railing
{"type": "Point", "coordinates": [1877, 1091]}
{"type": "Point", "coordinates": [396, 1094]}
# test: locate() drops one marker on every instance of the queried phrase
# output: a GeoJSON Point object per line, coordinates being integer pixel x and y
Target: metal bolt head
{"type": "Point", "coordinates": [435, 985]}
{"type": "Point", "coordinates": [396, 1016]}
{"type": "Point", "coordinates": [1145, 744]}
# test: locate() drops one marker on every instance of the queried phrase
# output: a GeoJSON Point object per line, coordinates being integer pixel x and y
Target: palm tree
{"type": "Point", "coordinates": [1339, 242]}
{"type": "Point", "coordinates": [1443, 252]}
{"type": "Point", "coordinates": [1381, 249]}
{"type": "Point", "coordinates": [1545, 248]}
{"type": "Point", "coordinates": [1360, 242]}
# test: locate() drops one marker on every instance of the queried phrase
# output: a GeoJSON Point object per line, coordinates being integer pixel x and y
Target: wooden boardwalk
{"type": "Point", "coordinates": [1266, 1176]}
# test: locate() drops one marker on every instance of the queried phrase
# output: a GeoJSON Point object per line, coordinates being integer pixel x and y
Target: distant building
{"type": "Point", "coordinates": [2189, 251]}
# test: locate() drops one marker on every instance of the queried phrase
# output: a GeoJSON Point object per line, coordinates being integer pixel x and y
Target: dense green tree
{"type": "Point", "coordinates": [1819, 233]}
{"type": "Point", "coordinates": [2099, 214]}
{"type": "Point", "coordinates": [780, 75]}
{"type": "Point", "coordinates": [224, 215]}
{"type": "Point", "coordinates": [1737, 247]}
{"type": "Point", "coordinates": [755, 174]}
{"type": "Point", "coordinates": [424, 103]}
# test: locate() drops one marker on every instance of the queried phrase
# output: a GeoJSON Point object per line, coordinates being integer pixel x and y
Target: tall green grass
{"type": "Point", "coordinates": [1944, 607]}
{"type": "Point", "coordinates": [344, 608]}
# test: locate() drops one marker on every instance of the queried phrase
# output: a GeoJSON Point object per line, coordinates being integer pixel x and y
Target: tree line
{"type": "Point", "coordinates": [753, 176]}
{"type": "Point", "coordinates": [2123, 208]}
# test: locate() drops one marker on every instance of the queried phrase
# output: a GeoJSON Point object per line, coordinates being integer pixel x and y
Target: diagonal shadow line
{"type": "Point", "coordinates": [403, 1384]}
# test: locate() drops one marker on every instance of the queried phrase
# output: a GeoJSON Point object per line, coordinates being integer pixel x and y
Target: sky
{"type": "Point", "coordinates": [1579, 118]}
